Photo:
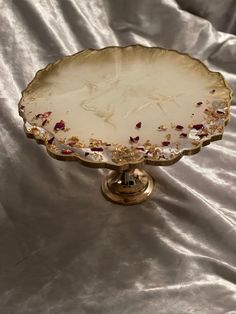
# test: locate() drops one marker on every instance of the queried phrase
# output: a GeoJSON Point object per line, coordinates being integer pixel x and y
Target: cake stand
{"type": "Point", "coordinates": [123, 107]}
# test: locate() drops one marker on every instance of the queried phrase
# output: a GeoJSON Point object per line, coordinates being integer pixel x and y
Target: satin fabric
{"type": "Point", "coordinates": [63, 247]}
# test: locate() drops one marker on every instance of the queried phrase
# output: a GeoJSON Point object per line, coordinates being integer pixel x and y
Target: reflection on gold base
{"type": "Point", "coordinates": [128, 187]}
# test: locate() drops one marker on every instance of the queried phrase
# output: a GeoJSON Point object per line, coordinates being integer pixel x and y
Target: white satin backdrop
{"type": "Point", "coordinates": [63, 248]}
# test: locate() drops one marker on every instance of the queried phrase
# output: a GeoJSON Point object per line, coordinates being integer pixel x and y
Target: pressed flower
{"type": "Point", "coordinates": [59, 126]}
{"type": "Point", "coordinates": [138, 125]}
{"type": "Point", "coordinates": [39, 115]}
{"type": "Point", "coordinates": [43, 115]}
{"type": "Point", "coordinates": [96, 149]}
{"type": "Point", "coordinates": [198, 126]}
{"type": "Point", "coordinates": [44, 122]}
{"type": "Point", "coordinates": [67, 151]}
{"type": "Point", "coordinates": [47, 114]}
{"type": "Point", "coordinates": [134, 139]}
{"type": "Point", "coordinates": [179, 127]}
{"type": "Point", "coordinates": [166, 143]}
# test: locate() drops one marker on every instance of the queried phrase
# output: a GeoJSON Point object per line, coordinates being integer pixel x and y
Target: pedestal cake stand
{"type": "Point", "coordinates": [123, 107]}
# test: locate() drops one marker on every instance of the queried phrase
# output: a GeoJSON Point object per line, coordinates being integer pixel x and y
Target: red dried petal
{"type": "Point", "coordinates": [59, 126]}
{"type": "Point", "coordinates": [140, 148]}
{"type": "Point", "coordinates": [179, 127]}
{"type": "Point", "coordinates": [44, 122]}
{"type": "Point", "coordinates": [67, 151]}
{"type": "Point", "coordinates": [183, 135]}
{"type": "Point", "coordinates": [198, 126]}
{"type": "Point", "coordinates": [138, 125]}
{"type": "Point", "coordinates": [165, 143]}
{"type": "Point", "coordinates": [47, 114]}
{"type": "Point", "coordinates": [39, 115]}
{"type": "Point", "coordinates": [51, 140]}
{"type": "Point", "coordinates": [96, 149]}
{"type": "Point", "coordinates": [134, 139]}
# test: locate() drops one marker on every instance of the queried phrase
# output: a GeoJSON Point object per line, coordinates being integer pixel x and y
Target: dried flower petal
{"type": "Point", "coordinates": [140, 148]}
{"type": "Point", "coordinates": [179, 127]}
{"type": "Point", "coordinates": [165, 143]}
{"type": "Point", "coordinates": [51, 140]}
{"type": "Point", "coordinates": [47, 114]}
{"type": "Point", "coordinates": [134, 139]}
{"type": "Point", "coordinates": [44, 122]}
{"type": "Point", "coordinates": [138, 125]}
{"type": "Point", "coordinates": [96, 149]}
{"type": "Point", "coordinates": [59, 126]}
{"type": "Point", "coordinates": [199, 103]}
{"type": "Point", "coordinates": [183, 135]}
{"type": "Point", "coordinates": [198, 126]}
{"type": "Point", "coordinates": [39, 115]}
{"type": "Point", "coordinates": [67, 151]}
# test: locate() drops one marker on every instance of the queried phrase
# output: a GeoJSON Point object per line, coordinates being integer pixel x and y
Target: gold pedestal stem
{"type": "Point", "coordinates": [127, 187]}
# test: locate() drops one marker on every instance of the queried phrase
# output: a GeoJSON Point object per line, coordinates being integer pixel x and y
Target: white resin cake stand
{"type": "Point", "coordinates": [123, 107]}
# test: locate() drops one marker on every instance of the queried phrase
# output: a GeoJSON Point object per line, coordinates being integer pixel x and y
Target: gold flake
{"type": "Point", "coordinates": [168, 137]}
{"type": "Point", "coordinates": [162, 127]}
{"type": "Point", "coordinates": [195, 142]}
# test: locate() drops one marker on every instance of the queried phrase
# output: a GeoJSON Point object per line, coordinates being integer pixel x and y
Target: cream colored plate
{"type": "Point", "coordinates": [125, 105]}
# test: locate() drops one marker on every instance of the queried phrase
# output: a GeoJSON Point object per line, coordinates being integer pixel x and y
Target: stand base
{"type": "Point", "coordinates": [127, 187]}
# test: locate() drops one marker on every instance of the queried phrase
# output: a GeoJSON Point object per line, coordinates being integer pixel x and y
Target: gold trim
{"type": "Point", "coordinates": [125, 165]}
